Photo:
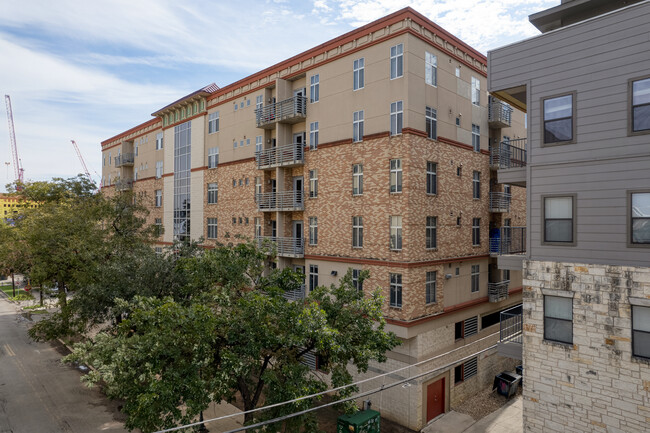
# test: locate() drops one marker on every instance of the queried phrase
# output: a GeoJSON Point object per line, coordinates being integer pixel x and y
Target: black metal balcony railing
{"type": "Point", "coordinates": [286, 247]}
{"type": "Point", "coordinates": [511, 325]}
{"type": "Point", "coordinates": [280, 201]}
{"type": "Point", "coordinates": [290, 110]}
{"type": "Point", "coordinates": [295, 295]}
{"type": "Point", "coordinates": [509, 154]}
{"type": "Point", "coordinates": [498, 291]}
{"type": "Point", "coordinates": [123, 184]}
{"type": "Point", "coordinates": [508, 240]}
{"type": "Point", "coordinates": [124, 159]}
{"type": "Point", "coordinates": [500, 202]}
{"type": "Point", "coordinates": [288, 155]}
{"type": "Point", "coordinates": [499, 113]}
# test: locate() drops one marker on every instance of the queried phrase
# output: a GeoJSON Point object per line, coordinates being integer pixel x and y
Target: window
{"type": "Point", "coordinates": [459, 171]}
{"type": "Point", "coordinates": [558, 319]}
{"type": "Point", "coordinates": [640, 224]}
{"type": "Point", "coordinates": [395, 175]}
{"type": "Point", "coordinates": [213, 157]}
{"type": "Point", "coordinates": [396, 118]}
{"type": "Point", "coordinates": [158, 194]}
{"type": "Point", "coordinates": [457, 121]}
{"type": "Point", "coordinates": [158, 227]}
{"type": "Point", "coordinates": [313, 277]}
{"type": "Point", "coordinates": [641, 331]}
{"type": "Point", "coordinates": [466, 328]}
{"type": "Point", "coordinates": [110, 159]}
{"type": "Point", "coordinates": [558, 220]}
{"type": "Point", "coordinates": [313, 183]}
{"type": "Point", "coordinates": [476, 278]}
{"type": "Point", "coordinates": [357, 232]}
{"type": "Point", "coordinates": [476, 137]}
{"type": "Point", "coordinates": [640, 109]}
{"type": "Point", "coordinates": [248, 142]}
{"type": "Point", "coordinates": [558, 119]}
{"type": "Point", "coordinates": [458, 71]}
{"type": "Point", "coordinates": [136, 148]}
{"type": "Point", "coordinates": [213, 193]}
{"type": "Point", "coordinates": [476, 231]}
{"type": "Point", "coordinates": [212, 228]}
{"type": "Point", "coordinates": [313, 135]}
{"type": "Point", "coordinates": [431, 240]}
{"type": "Point", "coordinates": [357, 179]}
{"type": "Point", "coordinates": [258, 227]}
{"type": "Point", "coordinates": [358, 74]}
{"type": "Point", "coordinates": [431, 69]}
{"type": "Point", "coordinates": [258, 143]}
{"type": "Point", "coordinates": [236, 106]}
{"type": "Point", "coordinates": [241, 143]}
{"type": "Point", "coordinates": [396, 233]}
{"type": "Point", "coordinates": [314, 86]}
{"type": "Point", "coordinates": [430, 287]}
{"type": "Point", "coordinates": [396, 290]}
{"type": "Point", "coordinates": [466, 370]}
{"type": "Point", "coordinates": [431, 123]}
{"type": "Point", "coordinates": [213, 122]}
{"type": "Point", "coordinates": [313, 231]}
{"type": "Point", "coordinates": [159, 141]}
{"type": "Point", "coordinates": [357, 281]}
{"type": "Point", "coordinates": [476, 185]}
{"type": "Point", "coordinates": [476, 91]}
{"type": "Point", "coordinates": [396, 61]}
{"type": "Point", "coordinates": [259, 101]}
{"type": "Point", "coordinates": [258, 188]}
{"type": "Point", "coordinates": [159, 169]}
{"type": "Point", "coordinates": [432, 177]}
{"type": "Point", "coordinates": [357, 126]}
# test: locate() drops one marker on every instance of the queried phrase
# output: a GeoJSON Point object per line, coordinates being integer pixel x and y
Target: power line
{"type": "Point", "coordinates": [342, 387]}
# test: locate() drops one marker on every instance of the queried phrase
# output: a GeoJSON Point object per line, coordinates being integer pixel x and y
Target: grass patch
{"type": "Point", "coordinates": [24, 296]}
{"type": "Point", "coordinates": [33, 307]}
{"type": "Point", "coordinates": [9, 291]}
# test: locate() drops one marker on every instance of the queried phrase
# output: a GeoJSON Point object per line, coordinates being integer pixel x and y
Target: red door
{"type": "Point", "coordinates": [435, 399]}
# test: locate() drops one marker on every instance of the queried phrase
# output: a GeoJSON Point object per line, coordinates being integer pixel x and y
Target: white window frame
{"type": "Point", "coordinates": [313, 277]}
{"type": "Point", "coordinates": [213, 157]}
{"type": "Point", "coordinates": [476, 232]}
{"type": "Point", "coordinates": [476, 137]}
{"type": "Point", "coordinates": [395, 298]}
{"type": "Point", "coordinates": [313, 135]}
{"type": "Point", "coordinates": [158, 197]}
{"type": "Point", "coordinates": [259, 102]}
{"type": "Point", "coordinates": [432, 178]}
{"type": "Point", "coordinates": [357, 126]}
{"type": "Point", "coordinates": [314, 88]}
{"type": "Point", "coordinates": [475, 278]}
{"type": "Point", "coordinates": [213, 122]}
{"type": "Point", "coordinates": [357, 232]}
{"type": "Point", "coordinates": [213, 193]}
{"type": "Point", "coordinates": [358, 74]}
{"type": "Point", "coordinates": [431, 119]}
{"type": "Point", "coordinates": [258, 227]}
{"type": "Point", "coordinates": [159, 169]}
{"type": "Point", "coordinates": [396, 61]}
{"type": "Point", "coordinates": [395, 176]}
{"type": "Point", "coordinates": [396, 117]}
{"type": "Point", "coordinates": [213, 225]}
{"type": "Point", "coordinates": [259, 143]}
{"type": "Point", "coordinates": [395, 233]}
{"type": "Point", "coordinates": [476, 185]}
{"type": "Point", "coordinates": [313, 183]}
{"type": "Point", "coordinates": [357, 179]}
{"type": "Point", "coordinates": [430, 69]}
{"type": "Point", "coordinates": [431, 233]}
{"type": "Point", "coordinates": [258, 188]}
{"type": "Point", "coordinates": [313, 231]}
{"type": "Point", "coordinates": [430, 287]}
{"type": "Point", "coordinates": [159, 140]}
{"type": "Point", "coordinates": [476, 91]}
{"type": "Point", "coordinates": [357, 282]}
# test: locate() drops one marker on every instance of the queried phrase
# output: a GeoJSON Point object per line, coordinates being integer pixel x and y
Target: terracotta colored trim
{"type": "Point", "coordinates": [135, 137]}
{"type": "Point", "coordinates": [205, 167]}
{"type": "Point", "coordinates": [445, 311]}
{"type": "Point", "coordinates": [167, 174]}
{"type": "Point", "coordinates": [187, 119]}
{"type": "Point", "coordinates": [333, 144]}
{"type": "Point", "coordinates": [376, 135]}
{"type": "Point", "coordinates": [414, 132]}
{"type": "Point", "coordinates": [516, 290]}
{"type": "Point", "coordinates": [237, 161]}
{"type": "Point", "coordinates": [455, 143]}
{"type": "Point", "coordinates": [163, 243]}
{"type": "Point", "coordinates": [132, 130]}
{"type": "Point", "coordinates": [144, 178]}
{"type": "Point", "coordinates": [394, 264]}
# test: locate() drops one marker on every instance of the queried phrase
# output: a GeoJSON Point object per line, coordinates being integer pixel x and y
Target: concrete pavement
{"type": "Point", "coordinates": [507, 419]}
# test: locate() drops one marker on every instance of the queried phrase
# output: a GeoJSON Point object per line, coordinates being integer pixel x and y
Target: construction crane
{"type": "Point", "coordinates": [83, 163]}
{"type": "Point", "coordinates": [18, 169]}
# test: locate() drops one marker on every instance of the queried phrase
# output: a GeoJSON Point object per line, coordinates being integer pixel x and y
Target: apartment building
{"type": "Point", "coordinates": [368, 152]}
{"type": "Point", "coordinates": [585, 86]}
{"type": "Point", "coordinates": [11, 206]}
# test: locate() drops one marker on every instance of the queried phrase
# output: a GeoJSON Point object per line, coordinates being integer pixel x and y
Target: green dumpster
{"type": "Point", "coordinates": [365, 421]}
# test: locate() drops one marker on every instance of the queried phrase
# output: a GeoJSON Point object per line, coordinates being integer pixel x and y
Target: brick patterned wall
{"type": "Point", "coordinates": [595, 384]}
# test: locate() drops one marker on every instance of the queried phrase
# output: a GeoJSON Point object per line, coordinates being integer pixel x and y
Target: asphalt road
{"type": "Point", "coordinates": [39, 394]}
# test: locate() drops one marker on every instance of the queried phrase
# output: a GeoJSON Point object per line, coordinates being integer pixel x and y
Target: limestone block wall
{"type": "Point", "coordinates": [594, 384]}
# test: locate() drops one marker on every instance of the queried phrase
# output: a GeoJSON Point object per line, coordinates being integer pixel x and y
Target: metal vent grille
{"type": "Point", "coordinates": [471, 326]}
{"type": "Point", "coordinates": [471, 367]}
{"type": "Point", "coordinates": [309, 359]}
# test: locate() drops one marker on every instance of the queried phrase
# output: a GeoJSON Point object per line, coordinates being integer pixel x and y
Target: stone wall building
{"type": "Point", "coordinates": [369, 152]}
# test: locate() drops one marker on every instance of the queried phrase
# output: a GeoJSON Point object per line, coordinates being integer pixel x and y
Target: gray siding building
{"type": "Point", "coordinates": [585, 85]}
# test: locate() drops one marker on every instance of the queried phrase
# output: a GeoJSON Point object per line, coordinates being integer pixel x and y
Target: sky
{"type": "Point", "coordinates": [86, 70]}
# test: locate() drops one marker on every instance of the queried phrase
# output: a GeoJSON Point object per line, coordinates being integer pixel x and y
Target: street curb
{"type": "Point", "coordinates": [64, 344]}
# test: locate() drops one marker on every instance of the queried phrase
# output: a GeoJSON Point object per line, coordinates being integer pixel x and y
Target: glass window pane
{"type": "Point", "coordinates": [641, 92]}
{"type": "Point", "coordinates": [558, 330]}
{"type": "Point", "coordinates": [558, 231]}
{"type": "Point", "coordinates": [558, 130]}
{"type": "Point", "coordinates": [558, 108]}
{"type": "Point", "coordinates": [641, 344]}
{"type": "Point", "coordinates": [558, 207]}
{"type": "Point", "coordinates": [641, 231]}
{"type": "Point", "coordinates": [641, 118]}
{"type": "Point", "coordinates": [557, 307]}
{"type": "Point", "coordinates": [641, 318]}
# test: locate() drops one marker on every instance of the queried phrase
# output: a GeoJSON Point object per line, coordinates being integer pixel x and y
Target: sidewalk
{"type": "Point", "coordinates": [508, 419]}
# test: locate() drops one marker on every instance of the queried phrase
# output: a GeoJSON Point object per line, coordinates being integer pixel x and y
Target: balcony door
{"type": "Point", "coordinates": [299, 96]}
{"type": "Point", "coordinates": [297, 236]}
{"type": "Point", "coordinates": [297, 191]}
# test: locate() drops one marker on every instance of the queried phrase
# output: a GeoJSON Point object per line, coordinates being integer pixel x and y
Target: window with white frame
{"type": "Point", "coordinates": [641, 331]}
{"type": "Point", "coordinates": [396, 61]}
{"type": "Point", "coordinates": [358, 79]}
{"type": "Point", "coordinates": [558, 319]}
{"type": "Point", "coordinates": [558, 219]}
{"type": "Point", "coordinates": [476, 91]}
{"type": "Point", "coordinates": [213, 157]}
{"type": "Point", "coordinates": [313, 277]}
{"type": "Point", "coordinates": [258, 227]}
{"type": "Point", "coordinates": [159, 141]}
{"type": "Point", "coordinates": [558, 119]}
{"type": "Point", "coordinates": [213, 193]}
{"type": "Point", "coordinates": [430, 287]}
{"type": "Point", "coordinates": [258, 144]}
{"type": "Point", "coordinates": [640, 110]}
{"type": "Point", "coordinates": [159, 169]}
{"type": "Point", "coordinates": [396, 117]}
{"type": "Point", "coordinates": [476, 185]}
{"type": "Point", "coordinates": [458, 71]}
{"type": "Point", "coordinates": [396, 290]}
{"type": "Point", "coordinates": [357, 281]}
{"type": "Point", "coordinates": [213, 122]}
{"type": "Point", "coordinates": [476, 231]}
{"type": "Point", "coordinates": [313, 135]}
{"type": "Point", "coordinates": [314, 88]}
{"type": "Point", "coordinates": [357, 126]}
{"type": "Point", "coordinates": [640, 218]}
{"type": "Point", "coordinates": [431, 123]}
{"type": "Point", "coordinates": [396, 233]}
{"type": "Point", "coordinates": [476, 137]}
{"type": "Point", "coordinates": [431, 69]}
{"type": "Point", "coordinates": [158, 199]}
{"type": "Point", "coordinates": [476, 278]}
{"type": "Point", "coordinates": [431, 234]}
{"type": "Point", "coordinates": [313, 183]}
{"type": "Point", "coordinates": [258, 188]}
{"type": "Point", "coordinates": [259, 101]}
{"type": "Point", "coordinates": [158, 227]}
{"type": "Point", "coordinates": [395, 175]}
{"type": "Point", "coordinates": [432, 177]}
{"type": "Point", "coordinates": [212, 228]}
{"type": "Point", "coordinates": [248, 142]}
{"type": "Point", "coordinates": [357, 232]}
{"type": "Point", "coordinates": [313, 230]}
{"type": "Point", "coordinates": [357, 179]}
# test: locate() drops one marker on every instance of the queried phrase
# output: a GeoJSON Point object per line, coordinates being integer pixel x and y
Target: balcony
{"type": "Point", "coordinates": [285, 247]}
{"type": "Point", "coordinates": [500, 202]}
{"type": "Point", "coordinates": [282, 156]}
{"type": "Point", "coordinates": [285, 201]}
{"type": "Point", "coordinates": [509, 154]}
{"type": "Point", "coordinates": [508, 244]}
{"type": "Point", "coordinates": [124, 159]}
{"type": "Point", "coordinates": [510, 333]}
{"type": "Point", "coordinates": [499, 114]}
{"type": "Point", "coordinates": [123, 184]}
{"type": "Point", "coordinates": [292, 110]}
{"type": "Point", "coordinates": [498, 292]}
{"type": "Point", "coordinates": [295, 295]}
